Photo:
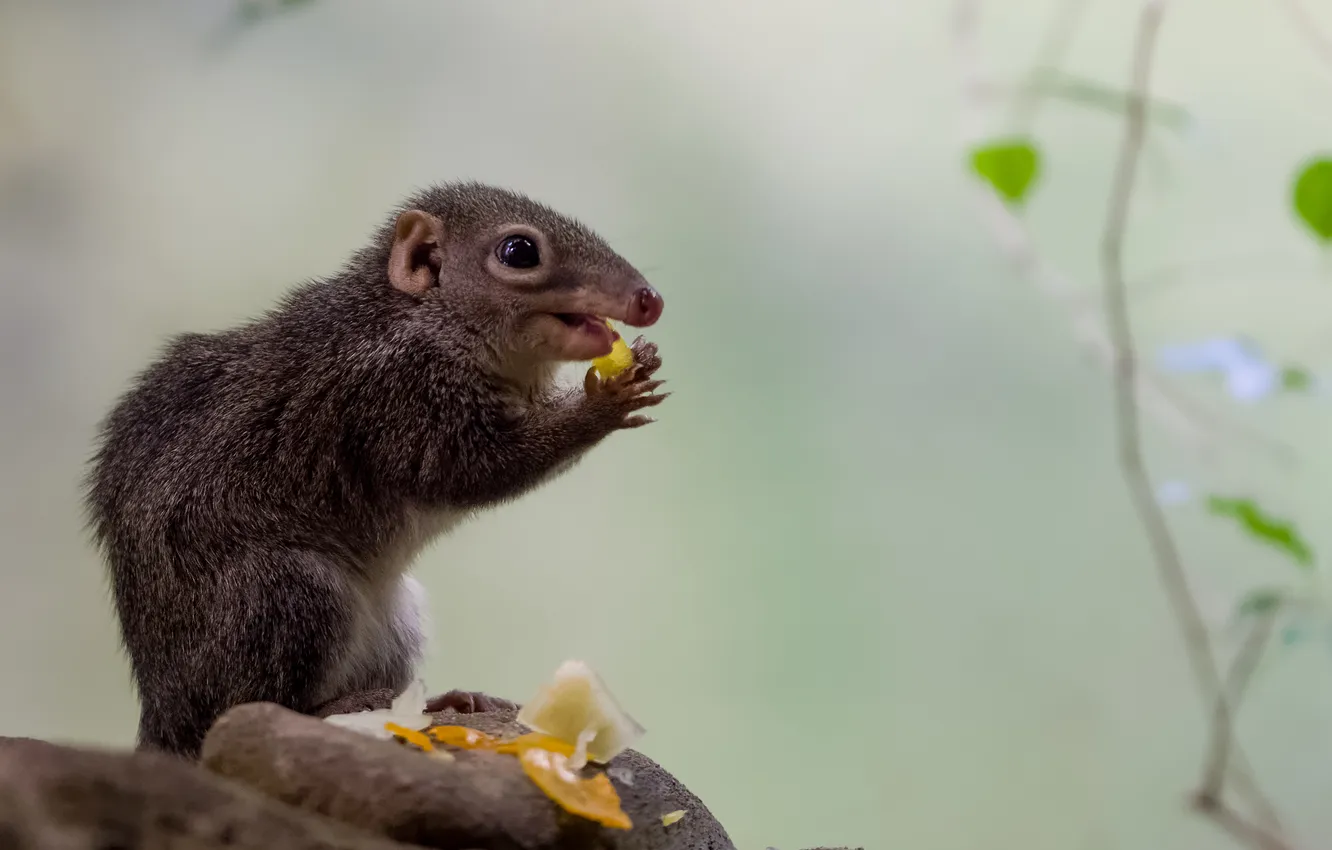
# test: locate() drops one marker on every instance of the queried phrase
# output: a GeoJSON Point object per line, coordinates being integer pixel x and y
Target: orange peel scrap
{"type": "Point", "coordinates": [464, 738]}
{"type": "Point", "coordinates": [411, 736]}
{"type": "Point", "coordinates": [546, 761]}
{"type": "Point", "coordinates": [593, 798]}
{"type": "Point", "coordinates": [536, 741]}
{"type": "Point", "coordinates": [573, 719]}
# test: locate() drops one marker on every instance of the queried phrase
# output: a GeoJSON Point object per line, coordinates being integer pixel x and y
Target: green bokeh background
{"type": "Point", "coordinates": [873, 578]}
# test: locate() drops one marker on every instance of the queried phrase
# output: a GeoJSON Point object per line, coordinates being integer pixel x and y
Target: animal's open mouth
{"type": "Point", "coordinates": [576, 320]}
{"type": "Point", "coordinates": [593, 334]}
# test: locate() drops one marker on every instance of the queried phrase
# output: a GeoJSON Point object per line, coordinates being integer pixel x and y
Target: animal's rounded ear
{"type": "Point", "coordinates": [418, 252]}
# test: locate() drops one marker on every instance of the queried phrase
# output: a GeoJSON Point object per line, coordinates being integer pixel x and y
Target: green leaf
{"type": "Point", "coordinates": [1295, 378]}
{"type": "Point", "coordinates": [1275, 532]}
{"type": "Point", "coordinates": [1009, 166]}
{"type": "Point", "coordinates": [1261, 601]}
{"type": "Point", "coordinates": [1312, 197]}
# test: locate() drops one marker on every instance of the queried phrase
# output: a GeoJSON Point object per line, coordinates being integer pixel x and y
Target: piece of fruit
{"type": "Point", "coordinates": [411, 736]}
{"type": "Point", "coordinates": [546, 761]}
{"type": "Point", "coordinates": [593, 798]}
{"type": "Point", "coordinates": [620, 358]}
{"type": "Point", "coordinates": [573, 718]}
{"type": "Point", "coordinates": [464, 738]}
{"type": "Point", "coordinates": [576, 701]}
{"type": "Point", "coordinates": [672, 817]}
{"type": "Point", "coordinates": [535, 741]}
{"type": "Point", "coordinates": [407, 711]}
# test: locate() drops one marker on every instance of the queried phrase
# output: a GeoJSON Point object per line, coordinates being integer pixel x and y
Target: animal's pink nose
{"type": "Point", "coordinates": [645, 307]}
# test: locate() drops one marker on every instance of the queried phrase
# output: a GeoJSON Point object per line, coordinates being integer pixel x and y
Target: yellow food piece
{"type": "Point", "coordinates": [593, 798]}
{"type": "Point", "coordinates": [620, 358]}
{"type": "Point", "coordinates": [535, 741]}
{"type": "Point", "coordinates": [545, 760]}
{"type": "Point", "coordinates": [577, 701]}
{"type": "Point", "coordinates": [672, 817]}
{"type": "Point", "coordinates": [406, 711]}
{"type": "Point", "coordinates": [471, 739]}
{"type": "Point", "coordinates": [411, 736]}
{"type": "Point", "coordinates": [464, 738]}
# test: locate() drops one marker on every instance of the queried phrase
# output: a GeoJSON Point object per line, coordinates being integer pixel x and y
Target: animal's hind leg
{"type": "Point", "coordinates": [396, 662]}
{"type": "Point", "coordinates": [390, 641]}
{"type": "Point", "coordinates": [272, 644]}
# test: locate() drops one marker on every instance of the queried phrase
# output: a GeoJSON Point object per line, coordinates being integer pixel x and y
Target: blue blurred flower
{"type": "Point", "coordinates": [1249, 376]}
{"type": "Point", "coordinates": [1174, 492]}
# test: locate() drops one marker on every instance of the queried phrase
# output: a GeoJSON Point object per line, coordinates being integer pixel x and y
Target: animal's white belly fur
{"type": "Point", "coordinates": [390, 619]}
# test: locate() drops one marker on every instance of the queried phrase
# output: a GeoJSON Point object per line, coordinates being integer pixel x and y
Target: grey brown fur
{"type": "Point", "coordinates": [260, 493]}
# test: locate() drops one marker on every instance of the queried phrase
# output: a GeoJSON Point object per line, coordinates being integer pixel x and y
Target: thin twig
{"type": "Point", "coordinates": [1309, 28]}
{"type": "Point", "coordinates": [1129, 429]}
{"type": "Point", "coordinates": [1240, 775]}
{"type": "Point", "coordinates": [1044, 86]}
{"type": "Point", "coordinates": [1233, 823]}
{"type": "Point", "coordinates": [1055, 43]}
{"type": "Point", "coordinates": [1047, 84]}
{"type": "Point", "coordinates": [1220, 751]}
{"type": "Point", "coordinates": [1165, 551]}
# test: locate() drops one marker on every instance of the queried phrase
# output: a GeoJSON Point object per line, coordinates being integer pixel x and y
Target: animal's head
{"type": "Point", "coordinates": [533, 282]}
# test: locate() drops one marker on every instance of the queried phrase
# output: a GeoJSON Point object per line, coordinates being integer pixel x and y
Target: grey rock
{"type": "Point", "coordinates": [477, 800]}
{"type": "Point", "coordinates": [55, 797]}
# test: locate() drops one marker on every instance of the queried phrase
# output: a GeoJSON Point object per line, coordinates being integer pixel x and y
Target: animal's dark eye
{"type": "Point", "coordinates": [518, 252]}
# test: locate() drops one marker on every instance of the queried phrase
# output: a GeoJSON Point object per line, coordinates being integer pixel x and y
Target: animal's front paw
{"type": "Point", "coordinates": [468, 702]}
{"type": "Point", "coordinates": [646, 358]}
{"type": "Point", "coordinates": [616, 400]}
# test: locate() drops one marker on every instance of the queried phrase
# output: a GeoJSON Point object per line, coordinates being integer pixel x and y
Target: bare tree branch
{"type": "Point", "coordinates": [1107, 333]}
{"type": "Point", "coordinates": [1170, 568]}
{"type": "Point", "coordinates": [1221, 751]}
{"type": "Point", "coordinates": [1192, 422]}
{"type": "Point", "coordinates": [1055, 42]}
{"type": "Point", "coordinates": [1244, 832]}
{"type": "Point", "coordinates": [1129, 434]}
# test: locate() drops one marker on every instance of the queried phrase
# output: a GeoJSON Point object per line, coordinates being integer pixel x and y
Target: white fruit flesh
{"type": "Point", "coordinates": [575, 702]}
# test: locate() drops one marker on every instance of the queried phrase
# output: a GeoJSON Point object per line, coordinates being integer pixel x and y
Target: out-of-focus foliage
{"type": "Point", "coordinates": [1010, 166]}
{"type": "Point", "coordinates": [1296, 378]}
{"type": "Point", "coordinates": [1312, 197]}
{"type": "Point", "coordinates": [1270, 530]}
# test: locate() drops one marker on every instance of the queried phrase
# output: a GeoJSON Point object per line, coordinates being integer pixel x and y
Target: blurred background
{"type": "Point", "coordinates": [873, 578]}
